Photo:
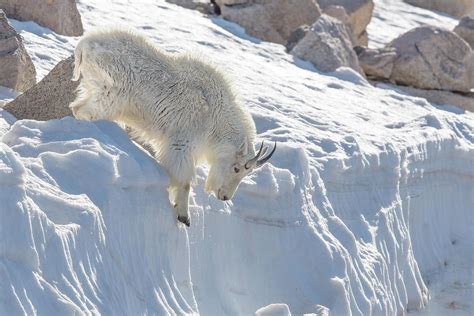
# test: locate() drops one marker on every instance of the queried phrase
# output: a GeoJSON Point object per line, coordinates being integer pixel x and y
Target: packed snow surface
{"type": "Point", "coordinates": [365, 208]}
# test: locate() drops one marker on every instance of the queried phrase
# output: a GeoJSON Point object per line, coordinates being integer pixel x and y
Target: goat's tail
{"type": "Point", "coordinates": [77, 62]}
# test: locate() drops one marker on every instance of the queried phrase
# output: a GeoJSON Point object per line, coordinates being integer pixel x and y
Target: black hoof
{"type": "Point", "coordinates": [185, 220]}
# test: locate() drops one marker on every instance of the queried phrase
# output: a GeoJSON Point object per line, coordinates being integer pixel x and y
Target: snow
{"type": "Point", "coordinates": [365, 208]}
{"type": "Point", "coordinates": [45, 47]}
{"type": "Point", "coordinates": [392, 18]}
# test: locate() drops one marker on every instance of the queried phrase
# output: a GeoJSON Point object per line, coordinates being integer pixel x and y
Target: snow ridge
{"type": "Point", "coordinates": [364, 207]}
{"type": "Point", "coordinates": [111, 244]}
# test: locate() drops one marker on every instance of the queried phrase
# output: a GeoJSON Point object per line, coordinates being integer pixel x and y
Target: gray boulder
{"type": "Point", "coordinates": [16, 68]}
{"type": "Point", "coordinates": [457, 8]}
{"type": "Point", "coordinates": [465, 29]}
{"type": "Point", "coordinates": [49, 99]}
{"type": "Point", "coordinates": [360, 14]}
{"type": "Point", "coordinates": [61, 16]}
{"type": "Point", "coordinates": [327, 46]}
{"type": "Point", "coordinates": [296, 36]}
{"type": "Point", "coordinates": [433, 58]}
{"type": "Point", "coordinates": [338, 12]}
{"type": "Point", "coordinates": [270, 20]}
{"type": "Point", "coordinates": [377, 63]}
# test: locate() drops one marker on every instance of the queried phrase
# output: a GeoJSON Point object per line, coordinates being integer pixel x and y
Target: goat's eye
{"type": "Point", "coordinates": [236, 169]}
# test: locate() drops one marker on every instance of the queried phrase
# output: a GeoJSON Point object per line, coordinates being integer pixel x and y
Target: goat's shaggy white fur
{"type": "Point", "coordinates": [183, 107]}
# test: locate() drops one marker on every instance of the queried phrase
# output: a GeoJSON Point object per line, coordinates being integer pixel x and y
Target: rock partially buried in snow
{"type": "Point", "coordinates": [458, 8]}
{"type": "Point", "coordinates": [377, 63]}
{"type": "Point", "coordinates": [49, 99]}
{"type": "Point", "coordinates": [465, 29]}
{"type": "Point", "coordinates": [16, 68]}
{"type": "Point", "coordinates": [433, 58]}
{"type": "Point", "coordinates": [270, 20]}
{"type": "Point", "coordinates": [60, 16]}
{"type": "Point", "coordinates": [360, 14]}
{"type": "Point", "coordinates": [328, 46]}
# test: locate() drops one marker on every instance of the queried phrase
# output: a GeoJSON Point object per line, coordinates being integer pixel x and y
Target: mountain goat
{"type": "Point", "coordinates": [181, 106]}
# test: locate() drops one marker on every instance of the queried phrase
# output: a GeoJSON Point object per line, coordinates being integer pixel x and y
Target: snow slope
{"type": "Point", "coordinates": [392, 18]}
{"type": "Point", "coordinates": [365, 207]}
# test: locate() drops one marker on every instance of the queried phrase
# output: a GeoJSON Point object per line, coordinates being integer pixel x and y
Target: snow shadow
{"type": "Point", "coordinates": [31, 27]}
{"type": "Point", "coordinates": [235, 29]}
{"type": "Point", "coordinates": [451, 108]}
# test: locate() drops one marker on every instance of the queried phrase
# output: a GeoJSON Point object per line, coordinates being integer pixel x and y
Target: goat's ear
{"type": "Point", "coordinates": [243, 149]}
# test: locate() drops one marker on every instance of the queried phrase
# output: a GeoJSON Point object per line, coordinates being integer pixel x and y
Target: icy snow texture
{"type": "Point", "coordinates": [367, 201]}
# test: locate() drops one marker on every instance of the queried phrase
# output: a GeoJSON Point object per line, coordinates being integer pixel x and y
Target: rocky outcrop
{"type": "Point", "coordinates": [49, 99]}
{"type": "Point", "coordinates": [377, 63]}
{"type": "Point", "coordinates": [433, 58]}
{"type": "Point", "coordinates": [465, 29]}
{"type": "Point", "coordinates": [327, 46]}
{"type": "Point", "coordinates": [270, 20]}
{"type": "Point", "coordinates": [458, 8]}
{"type": "Point", "coordinates": [16, 68]}
{"type": "Point", "coordinates": [61, 16]}
{"type": "Point", "coordinates": [360, 14]}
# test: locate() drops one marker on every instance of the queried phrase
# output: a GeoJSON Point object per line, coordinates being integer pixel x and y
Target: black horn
{"type": "Point", "coordinates": [249, 164]}
{"type": "Point", "coordinates": [264, 160]}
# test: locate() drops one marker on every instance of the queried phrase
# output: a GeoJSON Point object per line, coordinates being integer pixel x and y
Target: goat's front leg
{"type": "Point", "coordinates": [180, 167]}
{"type": "Point", "coordinates": [181, 203]}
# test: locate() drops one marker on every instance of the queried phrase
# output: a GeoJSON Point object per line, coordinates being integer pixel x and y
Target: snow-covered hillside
{"type": "Point", "coordinates": [366, 207]}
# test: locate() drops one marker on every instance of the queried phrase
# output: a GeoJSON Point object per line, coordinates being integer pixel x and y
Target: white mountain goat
{"type": "Point", "coordinates": [181, 106]}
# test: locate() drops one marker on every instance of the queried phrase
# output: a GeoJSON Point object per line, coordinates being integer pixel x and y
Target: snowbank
{"type": "Point", "coordinates": [365, 206]}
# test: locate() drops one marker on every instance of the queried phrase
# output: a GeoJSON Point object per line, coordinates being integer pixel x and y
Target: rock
{"type": "Point", "coordinates": [360, 14]}
{"type": "Point", "coordinates": [270, 20]}
{"type": "Point", "coordinates": [457, 8]}
{"type": "Point", "coordinates": [440, 97]}
{"type": "Point", "coordinates": [202, 6]}
{"type": "Point", "coordinates": [61, 16]}
{"type": "Point", "coordinates": [376, 63]}
{"type": "Point", "coordinates": [50, 98]}
{"type": "Point", "coordinates": [16, 68]}
{"type": "Point", "coordinates": [363, 38]}
{"type": "Point", "coordinates": [465, 29]}
{"type": "Point", "coordinates": [433, 58]}
{"type": "Point", "coordinates": [328, 46]}
{"type": "Point", "coordinates": [338, 12]}
{"type": "Point", "coordinates": [296, 36]}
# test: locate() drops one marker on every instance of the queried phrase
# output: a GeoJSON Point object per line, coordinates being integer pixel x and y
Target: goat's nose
{"type": "Point", "coordinates": [225, 198]}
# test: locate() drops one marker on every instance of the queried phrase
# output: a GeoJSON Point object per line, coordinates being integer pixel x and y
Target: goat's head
{"type": "Point", "coordinates": [227, 171]}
